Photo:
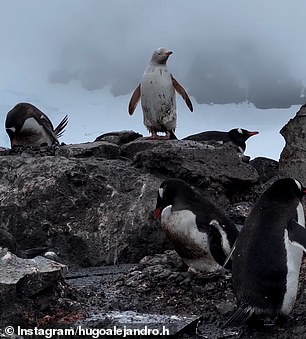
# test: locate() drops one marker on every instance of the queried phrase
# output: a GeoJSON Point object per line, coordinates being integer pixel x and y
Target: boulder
{"type": "Point", "coordinates": [293, 156]}
{"type": "Point", "coordinates": [266, 168]}
{"type": "Point", "coordinates": [27, 286]}
{"type": "Point", "coordinates": [218, 170]}
{"type": "Point", "coordinates": [92, 203]}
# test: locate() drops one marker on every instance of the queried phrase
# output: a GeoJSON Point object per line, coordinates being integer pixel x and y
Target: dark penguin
{"type": "Point", "coordinates": [237, 135]}
{"type": "Point", "coordinates": [200, 232]}
{"type": "Point", "coordinates": [268, 253]}
{"type": "Point", "coordinates": [26, 125]}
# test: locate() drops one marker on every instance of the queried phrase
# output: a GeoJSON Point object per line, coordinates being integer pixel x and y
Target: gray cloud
{"type": "Point", "coordinates": [224, 51]}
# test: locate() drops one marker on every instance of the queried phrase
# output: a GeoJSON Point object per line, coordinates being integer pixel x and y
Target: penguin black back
{"type": "Point", "coordinates": [266, 264]}
{"type": "Point", "coordinates": [236, 135]}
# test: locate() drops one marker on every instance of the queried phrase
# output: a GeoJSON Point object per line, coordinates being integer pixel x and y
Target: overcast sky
{"type": "Point", "coordinates": [224, 50]}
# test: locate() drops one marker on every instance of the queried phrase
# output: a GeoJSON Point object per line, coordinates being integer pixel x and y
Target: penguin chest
{"type": "Point", "coordinates": [191, 244]}
{"type": "Point", "coordinates": [32, 134]}
{"type": "Point", "coordinates": [294, 259]}
{"type": "Point", "coordinates": [158, 99]}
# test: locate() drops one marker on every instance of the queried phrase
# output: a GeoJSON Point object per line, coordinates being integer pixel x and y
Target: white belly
{"type": "Point", "coordinates": [158, 99]}
{"type": "Point", "coordinates": [294, 259]}
{"type": "Point", "coordinates": [181, 225]}
{"type": "Point", "coordinates": [33, 134]}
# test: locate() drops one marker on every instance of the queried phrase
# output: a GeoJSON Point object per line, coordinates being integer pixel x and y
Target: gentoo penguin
{"type": "Point", "coordinates": [26, 125]}
{"type": "Point", "coordinates": [157, 94]}
{"type": "Point", "coordinates": [267, 256]}
{"type": "Point", "coordinates": [200, 232]}
{"type": "Point", "coordinates": [238, 136]}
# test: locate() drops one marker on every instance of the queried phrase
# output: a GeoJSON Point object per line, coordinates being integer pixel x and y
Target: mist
{"type": "Point", "coordinates": [224, 52]}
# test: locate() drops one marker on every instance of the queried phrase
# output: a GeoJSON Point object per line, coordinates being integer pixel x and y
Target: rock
{"type": "Point", "coordinates": [238, 212]}
{"type": "Point", "coordinates": [24, 280]}
{"type": "Point", "coordinates": [90, 211]}
{"type": "Point", "coordinates": [293, 156]}
{"type": "Point", "coordinates": [266, 168]}
{"type": "Point", "coordinates": [92, 203]}
{"type": "Point", "coordinates": [131, 149]}
{"type": "Point", "coordinates": [90, 149]}
{"type": "Point", "coordinates": [217, 170]}
{"type": "Point", "coordinates": [7, 241]}
{"type": "Point", "coordinates": [130, 324]}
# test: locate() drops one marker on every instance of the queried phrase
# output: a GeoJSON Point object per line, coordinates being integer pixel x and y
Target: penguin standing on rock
{"type": "Point", "coordinates": [157, 94]}
{"type": "Point", "coordinates": [200, 232]}
{"type": "Point", "coordinates": [26, 125]}
{"type": "Point", "coordinates": [267, 257]}
{"type": "Point", "coordinates": [237, 136]}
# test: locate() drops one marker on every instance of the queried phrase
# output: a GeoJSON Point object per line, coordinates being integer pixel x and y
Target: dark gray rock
{"type": "Point", "coordinates": [90, 149]}
{"type": "Point", "coordinates": [90, 211]}
{"type": "Point", "coordinates": [25, 280]}
{"type": "Point", "coordinates": [266, 168]}
{"type": "Point", "coordinates": [293, 156]}
{"type": "Point", "coordinates": [219, 171]}
{"type": "Point", "coordinates": [92, 203]}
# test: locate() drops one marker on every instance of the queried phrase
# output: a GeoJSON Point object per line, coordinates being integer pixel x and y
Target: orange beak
{"type": "Point", "coordinates": [157, 213]}
{"type": "Point", "coordinates": [252, 133]}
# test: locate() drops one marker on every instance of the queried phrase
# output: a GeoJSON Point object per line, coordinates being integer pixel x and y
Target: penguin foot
{"type": "Point", "coordinates": [155, 136]}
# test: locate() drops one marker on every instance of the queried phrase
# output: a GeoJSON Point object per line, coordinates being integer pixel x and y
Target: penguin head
{"type": "Point", "coordinates": [15, 119]}
{"type": "Point", "coordinates": [160, 56]}
{"type": "Point", "coordinates": [171, 191]}
{"type": "Point", "coordinates": [241, 134]}
{"type": "Point", "coordinates": [288, 187]}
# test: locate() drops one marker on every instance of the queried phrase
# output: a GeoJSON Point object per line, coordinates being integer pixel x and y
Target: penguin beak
{"type": "Point", "coordinates": [304, 190]}
{"type": "Point", "coordinates": [252, 133]}
{"type": "Point", "coordinates": [157, 212]}
{"type": "Point", "coordinates": [168, 53]}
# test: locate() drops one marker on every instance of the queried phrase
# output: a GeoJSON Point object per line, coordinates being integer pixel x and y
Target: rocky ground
{"type": "Point", "coordinates": [92, 205]}
{"type": "Point", "coordinates": [161, 284]}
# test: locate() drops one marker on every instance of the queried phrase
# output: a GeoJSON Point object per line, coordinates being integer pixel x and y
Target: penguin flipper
{"type": "Point", "coordinates": [228, 258]}
{"type": "Point", "coordinates": [240, 316]}
{"type": "Point", "coordinates": [181, 90]}
{"type": "Point", "coordinates": [134, 100]}
{"type": "Point", "coordinates": [297, 234]}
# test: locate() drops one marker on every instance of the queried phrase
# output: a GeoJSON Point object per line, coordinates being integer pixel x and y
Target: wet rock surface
{"type": "Point", "coordinates": [92, 204]}
{"type": "Point", "coordinates": [162, 285]}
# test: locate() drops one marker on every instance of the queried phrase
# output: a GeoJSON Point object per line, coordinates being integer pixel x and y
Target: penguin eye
{"type": "Point", "coordinates": [240, 131]}
{"type": "Point", "coordinates": [161, 192]}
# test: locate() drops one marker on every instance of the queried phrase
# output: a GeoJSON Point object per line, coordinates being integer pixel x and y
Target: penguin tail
{"type": "Point", "coordinates": [240, 316]}
{"type": "Point", "coordinates": [60, 128]}
{"type": "Point", "coordinates": [172, 135]}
